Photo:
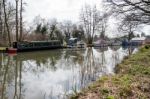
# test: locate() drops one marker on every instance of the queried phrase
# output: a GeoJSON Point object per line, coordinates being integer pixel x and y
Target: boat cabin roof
{"type": "Point", "coordinates": [44, 41]}
{"type": "Point", "coordinates": [72, 39]}
{"type": "Point", "coordinates": [138, 39]}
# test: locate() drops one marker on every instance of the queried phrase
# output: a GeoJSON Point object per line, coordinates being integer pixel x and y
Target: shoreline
{"type": "Point", "coordinates": [131, 81]}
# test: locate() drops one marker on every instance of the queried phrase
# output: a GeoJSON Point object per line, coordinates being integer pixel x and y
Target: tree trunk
{"type": "Point", "coordinates": [6, 23]}
{"type": "Point", "coordinates": [17, 39]}
{"type": "Point", "coordinates": [1, 21]}
{"type": "Point", "coordinates": [21, 18]}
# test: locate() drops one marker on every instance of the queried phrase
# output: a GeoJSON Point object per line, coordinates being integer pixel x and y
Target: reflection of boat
{"type": "Point", "coordinates": [116, 44]}
{"type": "Point", "coordinates": [2, 59]}
{"type": "Point", "coordinates": [37, 45]}
{"type": "Point", "coordinates": [130, 48]}
{"type": "Point", "coordinates": [102, 49]}
{"type": "Point", "coordinates": [100, 43]}
{"type": "Point", "coordinates": [39, 55]}
{"type": "Point", "coordinates": [115, 48]}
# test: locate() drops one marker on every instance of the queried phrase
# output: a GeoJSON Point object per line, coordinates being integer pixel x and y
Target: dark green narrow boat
{"type": "Point", "coordinates": [36, 45]}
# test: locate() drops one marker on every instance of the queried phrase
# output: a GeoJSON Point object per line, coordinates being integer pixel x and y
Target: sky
{"type": "Point", "coordinates": [64, 10]}
{"type": "Point", "coordinates": [59, 9]}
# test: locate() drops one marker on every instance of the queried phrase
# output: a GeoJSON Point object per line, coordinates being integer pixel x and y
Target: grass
{"type": "Point", "coordinates": [2, 48]}
{"type": "Point", "coordinates": [132, 80]}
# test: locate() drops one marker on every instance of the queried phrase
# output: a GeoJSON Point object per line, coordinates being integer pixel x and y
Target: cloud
{"type": "Point", "coordinates": [60, 9]}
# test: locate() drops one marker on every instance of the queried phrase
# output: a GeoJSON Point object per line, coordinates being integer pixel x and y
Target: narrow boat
{"type": "Point", "coordinates": [37, 45]}
{"type": "Point", "coordinates": [11, 50]}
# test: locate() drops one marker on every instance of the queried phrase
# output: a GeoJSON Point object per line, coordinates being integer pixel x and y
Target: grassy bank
{"type": "Point", "coordinates": [132, 80]}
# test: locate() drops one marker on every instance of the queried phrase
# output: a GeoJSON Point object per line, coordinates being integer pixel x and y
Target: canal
{"type": "Point", "coordinates": [57, 73]}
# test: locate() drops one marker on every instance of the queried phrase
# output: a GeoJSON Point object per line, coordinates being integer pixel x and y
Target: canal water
{"type": "Point", "coordinates": [57, 73]}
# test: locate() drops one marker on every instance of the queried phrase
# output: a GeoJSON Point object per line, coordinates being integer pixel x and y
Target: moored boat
{"type": "Point", "coordinates": [11, 50]}
{"type": "Point", "coordinates": [37, 45]}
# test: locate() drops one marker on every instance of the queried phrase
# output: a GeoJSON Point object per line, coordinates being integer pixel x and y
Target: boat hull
{"type": "Point", "coordinates": [36, 46]}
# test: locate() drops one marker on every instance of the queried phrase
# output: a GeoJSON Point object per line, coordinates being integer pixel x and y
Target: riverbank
{"type": "Point", "coordinates": [132, 80]}
{"type": "Point", "coordinates": [2, 49]}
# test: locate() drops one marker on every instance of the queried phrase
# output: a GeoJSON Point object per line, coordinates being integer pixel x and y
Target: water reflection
{"type": "Point", "coordinates": [55, 74]}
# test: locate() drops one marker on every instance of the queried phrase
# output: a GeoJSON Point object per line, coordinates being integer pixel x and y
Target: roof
{"type": "Point", "coordinates": [138, 39]}
{"type": "Point", "coordinates": [73, 39]}
{"type": "Point", "coordinates": [81, 42]}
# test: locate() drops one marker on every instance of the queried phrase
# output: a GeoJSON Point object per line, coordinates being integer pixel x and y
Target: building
{"type": "Point", "coordinates": [137, 41]}
{"type": "Point", "coordinates": [147, 41]}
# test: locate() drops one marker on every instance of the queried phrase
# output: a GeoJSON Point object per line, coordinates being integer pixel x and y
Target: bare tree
{"type": "Point", "coordinates": [6, 22]}
{"type": "Point", "coordinates": [21, 18]}
{"type": "Point", "coordinates": [66, 28]}
{"type": "Point", "coordinates": [140, 8]}
{"type": "Point", "coordinates": [1, 21]}
{"type": "Point", "coordinates": [103, 25]}
{"type": "Point", "coordinates": [91, 19]}
{"type": "Point", "coordinates": [17, 21]}
{"type": "Point", "coordinates": [131, 13]}
{"type": "Point", "coordinates": [128, 25]}
{"type": "Point", "coordinates": [52, 24]}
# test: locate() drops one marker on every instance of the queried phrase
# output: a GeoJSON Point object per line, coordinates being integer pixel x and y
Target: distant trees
{"type": "Point", "coordinates": [78, 32]}
{"type": "Point", "coordinates": [103, 25]}
{"type": "Point", "coordinates": [143, 34]}
{"type": "Point", "coordinates": [66, 27]}
{"type": "Point", "coordinates": [72, 30]}
{"type": "Point", "coordinates": [129, 26]}
{"type": "Point", "coordinates": [51, 29]}
{"type": "Point", "coordinates": [90, 17]}
{"type": "Point", "coordinates": [93, 21]}
{"type": "Point", "coordinates": [41, 32]}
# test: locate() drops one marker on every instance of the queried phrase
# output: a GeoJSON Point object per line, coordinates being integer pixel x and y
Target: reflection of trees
{"type": "Point", "coordinates": [129, 49]}
{"type": "Point", "coordinates": [94, 63]}
{"type": "Point", "coordinates": [83, 66]}
{"type": "Point", "coordinates": [92, 66]}
{"type": "Point", "coordinates": [4, 77]}
{"type": "Point", "coordinates": [87, 67]}
{"type": "Point", "coordinates": [103, 61]}
{"type": "Point", "coordinates": [18, 77]}
{"type": "Point", "coordinates": [72, 58]}
{"type": "Point", "coordinates": [48, 59]}
{"type": "Point", "coordinates": [115, 48]}
{"type": "Point", "coordinates": [10, 72]}
{"type": "Point", "coordinates": [115, 56]}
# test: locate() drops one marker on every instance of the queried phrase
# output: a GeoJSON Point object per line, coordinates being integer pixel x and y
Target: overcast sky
{"type": "Point", "coordinates": [60, 9]}
{"type": "Point", "coordinates": [63, 10]}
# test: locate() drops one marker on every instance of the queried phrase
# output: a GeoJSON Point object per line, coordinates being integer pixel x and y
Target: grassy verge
{"type": "Point", "coordinates": [132, 80]}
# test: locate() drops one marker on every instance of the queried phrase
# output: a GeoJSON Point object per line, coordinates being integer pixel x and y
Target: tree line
{"type": "Point", "coordinates": [11, 21]}
{"type": "Point", "coordinates": [93, 21]}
